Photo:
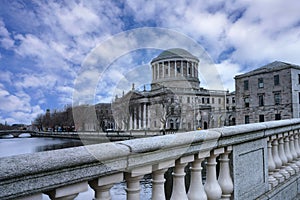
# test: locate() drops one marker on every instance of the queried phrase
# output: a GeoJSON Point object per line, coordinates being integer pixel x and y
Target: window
{"type": "Point", "coordinates": [261, 100]}
{"type": "Point", "coordinates": [261, 118]}
{"type": "Point", "coordinates": [247, 120]}
{"type": "Point", "coordinates": [260, 82]}
{"type": "Point", "coordinates": [178, 69]}
{"type": "Point", "coordinates": [172, 110]}
{"type": "Point", "coordinates": [167, 71]}
{"type": "Point", "coordinates": [188, 99]}
{"type": "Point", "coordinates": [203, 100]}
{"type": "Point", "coordinates": [227, 100]}
{"type": "Point", "coordinates": [298, 78]}
{"type": "Point", "coordinates": [246, 84]}
{"type": "Point", "coordinates": [233, 100]}
{"type": "Point", "coordinates": [212, 100]}
{"type": "Point", "coordinates": [277, 116]}
{"type": "Point", "coordinates": [246, 100]}
{"type": "Point", "coordinates": [276, 79]}
{"type": "Point", "coordinates": [189, 70]}
{"type": "Point", "coordinates": [277, 98]}
{"type": "Point", "coordinates": [207, 100]}
{"type": "Point", "coordinates": [219, 101]}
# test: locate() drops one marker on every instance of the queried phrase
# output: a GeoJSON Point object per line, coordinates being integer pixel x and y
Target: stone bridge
{"type": "Point", "coordinates": [15, 133]}
{"type": "Point", "coordinates": [253, 161]}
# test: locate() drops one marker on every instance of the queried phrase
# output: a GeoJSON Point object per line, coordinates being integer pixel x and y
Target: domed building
{"type": "Point", "coordinates": [175, 68]}
{"type": "Point", "coordinates": [175, 101]}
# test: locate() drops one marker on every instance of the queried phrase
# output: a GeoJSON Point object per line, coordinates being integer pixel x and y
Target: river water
{"type": "Point", "coordinates": [16, 146]}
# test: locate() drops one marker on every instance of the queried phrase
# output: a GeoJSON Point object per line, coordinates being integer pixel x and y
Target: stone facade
{"type": "Point", "coordinates": [175, 101]}
{"type": "Point", "coordinates": [268, 93]}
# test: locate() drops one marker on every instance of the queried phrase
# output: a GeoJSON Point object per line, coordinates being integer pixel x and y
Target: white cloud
{"type": "Point", "coordinates": [57, 36]}
{"type": "Point", "coordinates": [5, 39]}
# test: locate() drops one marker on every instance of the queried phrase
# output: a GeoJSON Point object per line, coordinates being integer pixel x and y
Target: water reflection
{"type": "Point", "coordinates": [66, 144]}
{"type": "Point", "coordinates": [15, 146]}
{"type": "Point", "coordinates": [23, 145]}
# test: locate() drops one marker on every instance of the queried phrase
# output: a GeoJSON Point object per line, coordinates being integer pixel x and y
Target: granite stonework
{"type": "Point", "coordinates": [287, 191]}
{"type": "Point", "coordinates": [55, 172]}
{"type": "Point", "coordinates": [250, 170]}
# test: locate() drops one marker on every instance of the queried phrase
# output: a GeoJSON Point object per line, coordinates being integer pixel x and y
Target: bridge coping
{"type": "Point", "coordinates": [78, 164]}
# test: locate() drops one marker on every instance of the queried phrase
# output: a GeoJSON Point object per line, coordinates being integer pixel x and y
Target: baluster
{"type": "Point", "coordinates": [103, 185]}
{"type": "Point", "coordinates": [284, 167]}
{"type": "Point", "coordinates": [212, 187]}
{"type": "Point", "coordinates": [276, 159]}
{"type": "Point", "coordinates": [293, 150]}
{"type": "Point", "coordinates": [297, 147]}
{"type": "Point", "coordinates": [196, 190]}
{"type": "Point", "coordinates": [271, 166]}
{"type": "Point", "coordinates": [32, 197]}
{"type": "Point", "coordinates": [178, 191]}
{"type": "Point", "coordinates": [158, 180]}
{"type": "Point", "coordinates": [288, 152]}
{"type": "Point", "coordinates": [133, 181]}
{"type": "Point", "coordinates": [225, 180]}
{"type": "Point", "coordinates": [68, 192]}
{"type": "Point", "coordinates": [296, 141]}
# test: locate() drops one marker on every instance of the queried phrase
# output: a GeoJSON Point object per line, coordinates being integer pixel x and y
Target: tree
{"type": "Point", "coordinates": [166, 108]}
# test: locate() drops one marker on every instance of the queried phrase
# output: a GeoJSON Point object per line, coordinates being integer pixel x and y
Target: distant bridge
{"type": "Point", "coordinates": [15, 133]}
{"type": "Point", "coordinates": [99, 136]}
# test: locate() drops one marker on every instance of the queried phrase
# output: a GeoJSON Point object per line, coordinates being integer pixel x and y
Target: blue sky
{"type": "Point", "coordinates": [44, 43]}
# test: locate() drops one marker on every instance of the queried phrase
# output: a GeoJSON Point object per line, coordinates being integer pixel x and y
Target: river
{"type": "Point", "coordinates": [16, 146]}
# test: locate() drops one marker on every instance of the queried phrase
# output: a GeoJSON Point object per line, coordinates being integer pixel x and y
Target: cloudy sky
{"type": "Point", "coordinates": [45, 46]}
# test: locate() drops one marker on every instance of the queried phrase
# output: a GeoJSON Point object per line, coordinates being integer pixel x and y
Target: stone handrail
{"type": "Point", "coordinates": [62, 174]}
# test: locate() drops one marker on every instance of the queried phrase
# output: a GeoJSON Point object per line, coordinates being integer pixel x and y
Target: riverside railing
{"type": "Point", "coordinates": [256, 161]}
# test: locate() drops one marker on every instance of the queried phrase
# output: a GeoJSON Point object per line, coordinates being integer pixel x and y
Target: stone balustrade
{"type": "Point", "coordinates": [254, 161]}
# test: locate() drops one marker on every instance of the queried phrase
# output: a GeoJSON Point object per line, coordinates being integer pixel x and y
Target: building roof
{"type": "Point", "coordinates": [175, 53]}
{"type": "Point", "coordinates": [274, 66]}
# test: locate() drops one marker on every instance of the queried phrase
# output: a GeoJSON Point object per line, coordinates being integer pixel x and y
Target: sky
{"type": "Point", "coordinates": [48, 49]}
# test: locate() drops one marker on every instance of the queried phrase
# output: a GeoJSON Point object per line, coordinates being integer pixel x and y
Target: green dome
{"type": "Point", "coordinates": [175, 53]}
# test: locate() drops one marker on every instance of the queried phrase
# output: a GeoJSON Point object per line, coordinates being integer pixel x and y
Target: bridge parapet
{"type": "Point", "coordinates": [256, 161]}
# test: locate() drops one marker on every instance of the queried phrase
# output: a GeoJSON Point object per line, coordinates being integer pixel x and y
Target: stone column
{"type": "Point", "coordinates": [134, 117]}
{"type": "Point", "coordinates": [130, 119]}
{"type": "Point", "coordinates": [145, 116]}
{"type": "Point", "coordinates": [277, 160]}
{"type": "Point", "coordinates": [194, 70]}
{"type": "Point", "coordinates": [158, 68]}
{"type": "Point", "coordinates": [271, 166]}
{"type": "Point", "coordinates": [196, 190]}
{"type": "Point", "coordinates": [140, 116]}
{"type": "Point", "coordinates": [158, 180]}
{"type": "Point", "coordinates": [133, 181]}
{"type": "Point", "coordinates": [103, 185]}
{"type": "Point", "coordinates": [169, 68]}
{"type": "Point", "coordinates": [68, 192]}
{"type": "Point", "coordinates": [288, 153]}
{"type": "Point", "coordinates": [297, 143]}
{"type": "Point", "coordinates": [225, 180]}
{"type": "Point", "coordinates": [284, 168]}
{"type": "Point", "coordinates": [179, 192]}
{"type": "Point", "coordinates": [153, 72]}
{"type": "Point", "coordinates": [293, 151]}
{"type": "Point", "coordinates": [212, 187]}
{"type": "Point", "coordinates": [181, 65]}
{"type": "Point", "coordinates": [148, 116]}
{"type": "Point", "coordinates": [175, 67]}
